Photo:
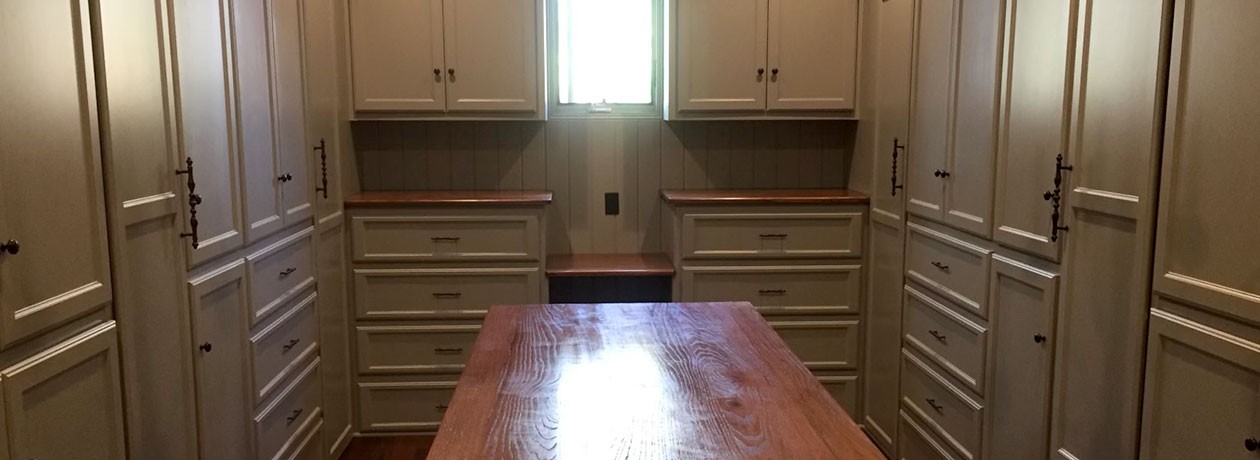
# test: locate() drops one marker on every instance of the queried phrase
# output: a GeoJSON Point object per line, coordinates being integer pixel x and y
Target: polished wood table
{"type": "Point", "coordinates": [640, 381]}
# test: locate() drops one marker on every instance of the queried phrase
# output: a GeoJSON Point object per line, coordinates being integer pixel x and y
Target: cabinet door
{"type": "Point", "coordinates": [812, 54]}
{"type": "Point", "coordinates": [1034, 130]}
{"type": "Point", "coordinates": [218, 302]}
{"type": "Point", "coordinates": [968, 202]}
{"type": "Point", "coordinates": [66, 402]}
{"type": "Point", "coordinates": [728, 77]}
{"type": "Point", "coordinates": [290, 90]}
{"type": "Point", "coordinates": [322, 57]}
{"type": "Point", "coordinates": [207, 133]}
{"type": "Point", "coordinates": [929, 118]}
{"type": "Point", "coordinates": [1022, 325]}
{"type": "Point", "coordinates": [334, 348]}
{"type": "Point", "coordinates": [396, 55]}
{"type": "Point", "coordinates": [892, 106]}
{"type": "Point", "coordinates": [256, 117]}
{"type": "Point", "coordinates": [55, 264]}
{"type": "Point", "coordinates": [1202, 396]}
{"type": "Point", "coordinates": [492, 50]}
{"type": "Point", "coordinates": [1206, 245]}
{"type": "Point", "coordinates": [883, 331]}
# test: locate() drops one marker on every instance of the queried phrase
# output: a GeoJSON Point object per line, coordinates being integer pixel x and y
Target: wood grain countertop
{"type": "Point", "coordinates": [777, 196]}
{"type": "Point", "coordinates": [640, 381]}
{"type": "Point", "coordinates": [609, 265]}
{"type": "Point", "coordinates": [449, 198]}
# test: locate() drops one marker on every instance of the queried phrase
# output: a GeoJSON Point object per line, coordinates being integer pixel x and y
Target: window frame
{"type": "Point", "coordinates": [655, 110]}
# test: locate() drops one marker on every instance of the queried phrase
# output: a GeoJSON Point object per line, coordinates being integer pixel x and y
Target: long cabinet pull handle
{"type": "Point", "coordinates": [777, 236]}
{"type": "Point", "coordinates": [936, 407]}
{"type": "Point", "coordinates": [291, 344]}
{"type": "Point", "coordinates": [1252, 444]}
{"type": "Point", "coordinates": [323, 165]}
{"type": "Point", "coordinates": [448, 295]}
{"type": "Point", "coordinates": [193, 200]}
{"type": "Point", "coordinates": [448, 350]}
{"type": "Point", "coordinates": [292, 418]}
{"type": "Point", "coordinates": [937, 335]}
{"type": "Point", "coordinates": [897, 149]}
{"type": "Point", "coordinates": [444, 238]}
{"type": "Point", "coordinates": [287, 272]}
{"type": "Point", "coordinates": [768, 292]}
{"type": "Point", "coordinates": [11, 247]}
{"type": "Point", "coordinates": [940, 266]}
{"type": "Point", "coordinates": [441, 407]}
{"type": "Point", "coordinates": [1055, 197]}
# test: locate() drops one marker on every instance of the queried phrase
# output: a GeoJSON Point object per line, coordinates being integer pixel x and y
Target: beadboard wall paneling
{"type": "Point", "coordinates": [581, 160]}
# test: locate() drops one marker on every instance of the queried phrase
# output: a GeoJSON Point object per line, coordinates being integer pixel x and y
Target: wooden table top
{"type": "Point", "coordinates": [448, 198]}
{"type": "Point", "coordinates": [609, 265]}
{"type": "Point", "coordinates": [778, 196]}
{"type": "Point", "coordinates": [640, 381]}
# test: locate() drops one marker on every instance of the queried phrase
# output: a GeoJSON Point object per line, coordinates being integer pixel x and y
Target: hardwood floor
{"type": "Point", "coordinates": [388, 448]}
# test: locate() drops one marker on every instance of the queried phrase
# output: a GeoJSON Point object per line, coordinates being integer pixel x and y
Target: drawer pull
{"type": "Point", "coordinates": [448, 350]}
{"type": "Point", "coordinates": [936, 407]}
{"type": "Point", "coordinates": [206, 347]}
{"type": "Point", "coordinates": [940, 266]}
{"type": "Point", "coordinates": [1252, 444]}
{"type": "Point", "coordinates": [290, 345]}
{"type": "Point", "coordinates": [287, 272]}
{"type": "Point", "coordinates": [770, 292]}
{"type": "Point", "coordinates": [937, 335]}
{"type": "Point", "coordinates": [290, 419]}
{"type": "Point", "coordinates": [441, 407]}
{"type": "Point", "coordinates": [447, 295]}
{"type": "Point", "coordinates": [1039, 338]}
{"type": "Point", "coordinates": [775, 236]}
{"type": "Point", "coordinates": [440, 239]}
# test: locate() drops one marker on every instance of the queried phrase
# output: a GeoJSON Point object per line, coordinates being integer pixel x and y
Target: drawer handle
{"type": "Point", "coordinates": [1252, 444]}
{"type": "Point", "coordinates": [448, 350]}
{"type": "Point", "coordinates": [937, 335]}
{"type": "Point", "coordinates": [441, 407]}
{"type": "Point", "coordinates": [940, 266]}
{"type": "Point", "coordinates": [439, 239]}
{"type": "Point", "coordinates": [776, 236]}
{"type": "Point", "coordinates": [447, 295]}
{"type": "Point", "coordinates": [290, 345]}
{"type": "Point", "coordinates": [292, 418]}
{"type": "Point", "coordinates": [206, 347]}
{"type": "Point", "coordinates": [937, 407]}
{"type": "Point", "coordinates": [769, 292]}
{"type": "Point", "coordinates": [287, 272]}
{"type": "Point", "coordinates": [1039, 338]}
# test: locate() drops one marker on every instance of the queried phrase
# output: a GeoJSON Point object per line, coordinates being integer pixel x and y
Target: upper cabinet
{"type": "Point", "coordinates": [761, 58]}
{"type": "Point", "coordinates": [452, 58]}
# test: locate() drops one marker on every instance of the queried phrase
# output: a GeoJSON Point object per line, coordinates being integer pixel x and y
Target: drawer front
{"type": "Point", "coordinates": [772, 235]}
{"type": "Point", "coordinates": [441, 293]}
{"type": "Point", "coordinates": [821, 345]}
{"type": "Point", "coordinates": [279, 423]}
{"type": "Point", "coordinates": [820, 289]}
{"type": "Point", "coordinates": [842, 388]}
{"type": "Point", "coordinates": [403, 406]}
{"type": "Point", "coordinates": [945, 337]}
{"type": "Point", "coordinates": [414, 349]}
{"type": "Point", "coordinates": [956, 418]}
{"type": "Point", "coordinates": [954, 268]}
{"type": "Point", "coordinates": [280, 349]}
{"type": "Point", "coordinates": [280, 272]}
{"type": "Point", "coordinates": [914, 442]}
{"type": "Point", "coordinates": [442, 238]}
{"type": "Point", "coordinates": [308, 447]}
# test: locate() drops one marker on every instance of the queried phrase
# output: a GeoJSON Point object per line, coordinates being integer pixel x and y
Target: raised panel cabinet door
{"type": "Point", "coordinates": [1022, 326]}
{"type": "Point", "coordinates": [256, 121]}
{"type": "Point", "coordinates": [812, 54]}
{"type": "Point", "coordinates": [54, 258]}
{"type": "Point", "coordinates": [334, 331]}
{"type": "Point", "coordinates": [322, 57]}
{"type": "Point", "coordinates": [492, 55]}
{"type": "Point", "coordinates": [396, 55]}
{"type": "Point", "coordinates": [968, 202]}
{"type": "Point", "coordinates": [1036, 97]}
{"type": "Point", "coordinates": [218, 301]}
{"type": "Point", "coordinates": [1206, 238]}
{"type": "Point", "coordinates": [931, 98]}
{"type": "Point", "coordinates": [883, 333]}
{"type": "Point", "coordinates": [1202, 397]}
{"type": "Point", "coordinates": [207, 131]}
{"type": "Point", "coordinates": [290, 90]}
{"type": "Point", "coordinates": [66, 402]}
{"type": "Point", "coordinates": [892, 107]}
{"type": "Point", "coordinates": [721, 54]}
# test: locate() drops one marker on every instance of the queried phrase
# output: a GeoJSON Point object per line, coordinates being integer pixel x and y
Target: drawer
{"type": "Point", "coordinates": [279, 423]}
{"type": "Point", "coordinates": [956, 418]}
{"type": "Point", "coordinates": [945, 337]}
{"type": "Point", "coordinates": [445, 238]}
{"type": "Point", "coordinates": [915, 442]}
{"type": "Point", "coordinates": [279, 272]}
{"type": "Point", "coordinates": [403, 406]}
{"type": "Point", "coordinates": [414, 349]}
{"type": "Point", "coordinates": [950, 266]}
{"type": "Point", "coordinates": [842, 388]}
{"type": "Point", "coordinates": [772, 235]}
{"type": "Point", "coordinates": [308, 444]}
{"type": "Point", "coordinates": [806, 289]}
{"type": "Point", "coordinates": [441, 293]}
{"type": "Point", "coordinates": [821, 345]}
{"type": "Point", "coordinates": [280, 349]}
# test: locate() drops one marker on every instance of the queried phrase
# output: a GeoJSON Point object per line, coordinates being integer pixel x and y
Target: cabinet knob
{"type": "Point", "coordinates": [941, 173]}
{"type": "Point", "coordinates": [774, 71]}
{"type": "Point", "coordinates": [285, 177]}
{"type": "Point", "coordinates": [12, 247]}
{"type": "Point", "coordinates": [206, 347]}
{"type": "Point", "coordinates": [1252, 444]}
{"type": "Point", "coordinates": [437, 72]}
{"type": "Point", "coordinates": [1039, 338]}
{"type": "Point", "coordinates": [450, 71]}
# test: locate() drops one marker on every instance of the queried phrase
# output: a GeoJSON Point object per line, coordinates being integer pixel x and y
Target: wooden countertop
{"type": "Point", "coordinates": [701, 380]}
{"type": "Point", "coordinates": [609, 265]}
{"type": "Point", "coordinates": [777, 196]}
{"type": "Point", "coordinates": [449, 198]}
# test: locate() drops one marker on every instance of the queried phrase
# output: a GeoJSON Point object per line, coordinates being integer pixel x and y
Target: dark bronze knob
{"type": "Point", "coordinates": [206, 347]}
{"type": "Point", "coordinates": [1252, 444]}
{"type": "Point", "coordinates": [451, 72]}
{"type": "Point", "coordinates": [12, 247]}
{"type": "Point", "coordinates": [941, 173]}
{"type": "Point", "coordinates": [437, 72]}
{"type": "Point", "coordinates": [1039, 338]}
{"type": "Point", "coordinates": [774, 71]}
{"type": "Point", "coordinates": [285, 177]}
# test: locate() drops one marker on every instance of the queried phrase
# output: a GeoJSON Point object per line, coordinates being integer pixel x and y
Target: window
{"type": "Point", "coordinates": [605, 58]}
